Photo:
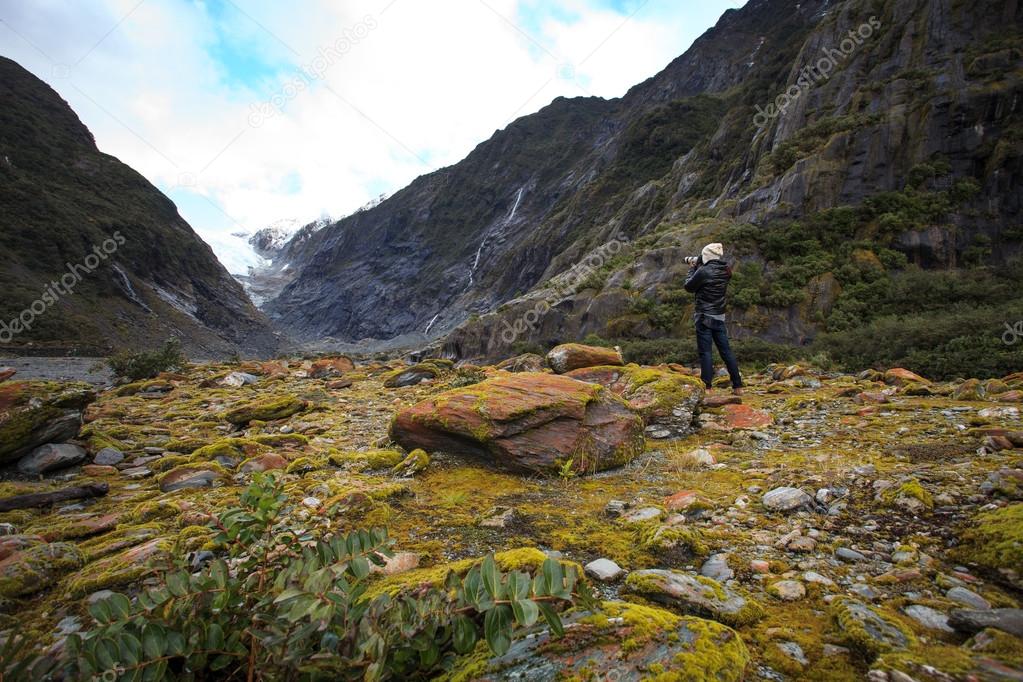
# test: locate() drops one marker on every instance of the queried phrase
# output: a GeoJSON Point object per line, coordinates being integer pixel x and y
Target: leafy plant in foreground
{"type": "Point", "coordinates": [285, 605]}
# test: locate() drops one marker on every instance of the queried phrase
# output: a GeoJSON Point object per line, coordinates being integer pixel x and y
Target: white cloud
{"type": "Point", "coordinates": [170, 88]}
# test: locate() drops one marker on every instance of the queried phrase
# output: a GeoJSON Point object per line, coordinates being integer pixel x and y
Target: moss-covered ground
{"type": "Point", "coordinates": [901, 482]}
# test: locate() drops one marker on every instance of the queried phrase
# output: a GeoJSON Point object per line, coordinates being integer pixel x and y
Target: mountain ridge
{"type": "Point", "coordinates": [158, 278]}
{"type": "Point", "coordinates": [915, 131]}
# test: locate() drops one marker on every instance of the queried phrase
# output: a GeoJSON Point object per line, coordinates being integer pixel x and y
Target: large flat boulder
{"type": "Point", "coordinates": [526, 422]}
{"type": "Point", "coordinates": [33, 413]}
{"type": "Point", "coordinates": [665, 400]}
{"type": "Point", "coordinates": [569, 356]}
{"type": "Point", "coordinates": [51, 457]}
{"type": "Point", "coordinates": [622, 642]}
{"type": "Point", "coordinates": [37, 567]}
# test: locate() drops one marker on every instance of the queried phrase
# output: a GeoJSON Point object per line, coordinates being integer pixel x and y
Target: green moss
{"type": "Point", "coordinates": [415, 462]}
{"type": "Point", "coordinates": [910, 489]}
{"type": "Point", "coordinates": [268, 409]}
{"type": "Point", "coordinates": [124, 568]}
{"type": "Point", "coordinates": [527, 559]}
{"type": "Point", "coordinates": [282, 440]}
{"type": "Point", "coordinates": [948, 659]}
{"type": "Point", "coordinates": [192, 538]}
{"type": "Point", "coordinates": [36, 568]}
{"type": "Point", "coordinates": [303, 465]}
{"type": "Point", "coordinates": [868, 630]}
{"type": "Point", "coordinates": [120, 539]}
{"type": "Point", "coordinates": [717, 653]}
{"type": "Point", "coordinates": [153, 510]}
{"type": "Point", "coordinates": [228, 447]}
{"type": "Point", "coordinates": [663, 538]}
{"type": "Point", "coordinates": [185, 446]}
{"type": "Point", "coordinates": [372, 459]}
{"type": "Point", "coordinates": [996, 539]}
{"type": "Point", "coordinates": [168, 462]}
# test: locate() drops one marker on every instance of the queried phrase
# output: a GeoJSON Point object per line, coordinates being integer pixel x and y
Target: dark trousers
{"type": "Point", "coordinates": [709, 330]}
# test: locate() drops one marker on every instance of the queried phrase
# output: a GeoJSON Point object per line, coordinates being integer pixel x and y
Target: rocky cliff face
{"type": "Point", "coordinates": [95, 254]}
{"type": "Point", "coordinates": [905, 111]}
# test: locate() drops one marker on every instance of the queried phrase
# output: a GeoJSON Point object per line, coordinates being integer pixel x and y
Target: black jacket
{"type": "Point", "coordinates": [709, 281]}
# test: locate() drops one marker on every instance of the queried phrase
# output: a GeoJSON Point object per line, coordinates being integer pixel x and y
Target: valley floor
{"type": "Point", "coordinates": [897, 487]}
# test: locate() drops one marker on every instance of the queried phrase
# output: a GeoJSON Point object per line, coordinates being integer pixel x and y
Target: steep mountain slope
{"type": "Point", "coordinates": [98, 257]}
{"type": "Point", "coordinates": [904, 148]}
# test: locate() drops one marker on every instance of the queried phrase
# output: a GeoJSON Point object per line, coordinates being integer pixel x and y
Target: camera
{"type": "Point", "coordinates": [692, 260]}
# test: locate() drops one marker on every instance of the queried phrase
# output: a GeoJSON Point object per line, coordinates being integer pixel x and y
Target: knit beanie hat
{"type": "Point", "coordinates": [712, 252]}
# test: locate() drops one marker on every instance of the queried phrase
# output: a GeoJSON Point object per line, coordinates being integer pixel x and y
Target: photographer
{"type": "Point", "coordinates": [708, 279]}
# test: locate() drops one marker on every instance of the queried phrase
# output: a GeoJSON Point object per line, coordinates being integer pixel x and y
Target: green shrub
{"type": "Point", "coordinates": [147, 364]}
{"type": "Point", "coordinates": [292, 606]}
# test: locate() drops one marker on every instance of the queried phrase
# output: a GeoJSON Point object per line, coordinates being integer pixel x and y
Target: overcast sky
{"type": "Point", "coordinates": [249, 111]}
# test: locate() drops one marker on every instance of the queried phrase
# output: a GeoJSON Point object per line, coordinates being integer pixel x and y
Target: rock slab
{"type": "Point", "coordinates": [527, 423]}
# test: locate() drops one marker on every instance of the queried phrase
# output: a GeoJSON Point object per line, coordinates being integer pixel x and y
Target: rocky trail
{"type": "Point", "coordinates": [824, 526]}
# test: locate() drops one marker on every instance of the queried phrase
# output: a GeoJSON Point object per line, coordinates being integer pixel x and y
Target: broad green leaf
{"type": "Point", "coordinates": [120, 607]}
{"type": "Point", "coordinates": [526, 611]}
{"type": "Point", "coordinates": [177, 584]}
{"type": "Point", "coordinates": [552, 618]}
{"type": "Point", "coordinates": [463, 634]}
{"type": "Point", "coordinates": [497, 626]}
{"type": "Point", "coordinates": [100, 610]}
{"type": "Point", "coordinates": [153, 642]}
{"type": "Point", "coordinates": [215, 636]}
{"type": "Point", "coordinates": [491, 577]}
{"type": "Point", "coordinates": [552, 575]}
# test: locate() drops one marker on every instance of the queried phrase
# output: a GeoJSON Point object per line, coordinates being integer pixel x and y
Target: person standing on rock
{"type": "Point", "coordinates": [708, 279]}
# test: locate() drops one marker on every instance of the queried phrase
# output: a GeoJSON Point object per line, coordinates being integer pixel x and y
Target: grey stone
{"type": "Point", "coordinates": [786, 499]}
{"type": "Point", "coordinates": [603, 570]}
{"type": "Point", "coordinates": [928, 617]}
{"type": "Point", "coordinates": [137, 472]}
{"type": "Point", "coordinates": [498, 517]}
{"type": "Point", "coordinates": [108, 457]}
{"type": "Point", "coordinates": [883, 633]}
{"type": "Point", "coordinates": [716, 567]}
{"type": "Point", "coordinates": [849, 555]}
{"type": "Point", "coordinates": [965, 597]}
{"type": "Point", "coordinates": [793, 651]}
{"type": "Point", "coordinates": [787, 590]}
{"type": "Point", "coordinates": [190, 481]}
{"type": "Point", "coordinates": [688, 594]}
{"type": "Point", "coordinates": [642, 514]}
{"type": "Point", "coordinates": [974, 620]}
{"type": "Point", "coordinates": [865, 591]}
{"type": "Point", "coordinates": [236, 379]}
{"type": "Point", "coordinates": [50, 457]}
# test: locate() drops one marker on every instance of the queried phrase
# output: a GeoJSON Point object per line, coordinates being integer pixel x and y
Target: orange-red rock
{"type": "Point", "coordinates": [331, 367]}
{"type": "Point", "coordinates": [683, 499]}
{"type": "Point", "coordinates": [525, 422]}
{"type": "Point", "coordinates": [10, 544]}
{"type": "Point", "coordinates": [569, 356]}
{"type": "Point", "coordinates": [720, 400]}
{"type": "Point", "coordinates": [898, 376]}
{"type": "Point", "coordinates": [264, 463]}
{"type": "Point", "coordinates": [664, 400]}
{"type": "Point", "coordinates": [745, 417]}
